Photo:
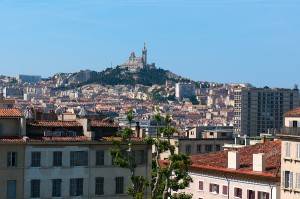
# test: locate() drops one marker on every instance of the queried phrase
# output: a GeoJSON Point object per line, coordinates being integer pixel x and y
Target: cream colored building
{"type": "Point", "coordinates": [91, 166]}
{"type": "Point", "coordinates": [252, 172]}
{"type": "Point", "coordinates": [62, 165]}
{"type": "Point", "coordinates": [11, 168]}
{"type": "Point", "coordinates": [290, 156]}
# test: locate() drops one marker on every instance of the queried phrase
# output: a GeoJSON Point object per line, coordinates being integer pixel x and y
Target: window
{"type": "Point", "coordinates": [218, 147]}
{"type": "Point", "coordinates": [238, 193]}
{"type": "Point", "coordinates": [225, 190]}
{"type": "Point", "coordinates": [99, 183]}
{"type": "Point", "coordinates": [295, 124]}
{"type": "Point", "coordinates": [188, 149]}
{"type": "Point", "coordinates": [78, 158]}
{"type": "Point", "coordinates": [11, 159]}
{"type": "Point", "coordinates": [208, 148]}
{"type": "Point", "coordinates": [199, 148]}
{"type": "Point", "coordinates": [99, 158]}
{"type": "Point", "coordinates": [297, 185]}
{"type": "Point", "coordinates": [11, 189]}
{"type": "Point", "coordinates": [201, 185]}
{"type": "Point", "coordinates": [250, 194]}
{"type": "Point", "coordinates": [119, 185]}
{"type": "Point", "coordinates": [76, 187]}
{"type": "Point", "coordinates": [35, 188]}
{"type": "Point", "coordinates": [214, 188]}
{"type": "Point", "coordinates": [57, 158]}
{"type": "Point", "coordinates": [56, 188]}
{"type": "Point", "coordinates": [35, 159]}
{"type": "Point", "coordinates": [287, 179]}
{"type": "Point", "coordinates": [298, 151]}
{"type": "Point", "coordinates": [139, 157]}
{"type": "Point", "coordinates": [287, 149]}
{"type": "Point", "coordinates": [263, 195]}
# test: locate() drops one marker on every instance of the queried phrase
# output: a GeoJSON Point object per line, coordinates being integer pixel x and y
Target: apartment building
{"type": "Point", "coordinates": [78, 167]}
{"type": "Point", "coordinates": [184, 90]}
{"type": "Point", "coordinates": [261, 110]}
{"type": "Point", "coordinates": [290, 156]}
{"type": "Point", "coordinates": [252, 172]}
{"type": "Point", "coordinates": [61, 159]}
{"type": "Point", "coordinates": [11, 168]}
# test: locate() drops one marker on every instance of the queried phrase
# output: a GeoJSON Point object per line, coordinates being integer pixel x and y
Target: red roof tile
{"type": "Point", "coordinates": [293, 113]}
{"type": "Point", "coordinates": [60, 139]}
{"type": "Point", "coordinates": [100, 123]}
{"type": "Point", "coordinates": [11, 139]}
{"type": "Point", "coordinates": [10, 112]}
{"type": "Point", "coordinates": [55, 124]}
{"type": "Point", "coordinates": [218, 161]}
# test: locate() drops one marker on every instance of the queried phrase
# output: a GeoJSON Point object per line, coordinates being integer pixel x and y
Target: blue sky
{"type": "Point", "coordinates": [255, 41]}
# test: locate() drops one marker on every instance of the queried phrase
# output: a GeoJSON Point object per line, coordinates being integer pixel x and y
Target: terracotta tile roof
{"type": "Point", "coordinates": [60, 139]}
{"type": "Point", "coordinates": [11, 139]}
{"type": "Point", "coordinates": [293, 113]}
{"type": "Point", "coordinates": [55, 124]}
{"type": "Point", "coordinates": [217, 162]}
{"type": "Point", "coordinates": [100, 123]}
{"type": "Point", "coordinates": [112, 138]}
{"type": "Point", "coordinates": [10, 112]}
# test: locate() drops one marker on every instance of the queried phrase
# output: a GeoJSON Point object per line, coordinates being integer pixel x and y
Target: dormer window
{"type": "Point", "coordinates": [295, 124]}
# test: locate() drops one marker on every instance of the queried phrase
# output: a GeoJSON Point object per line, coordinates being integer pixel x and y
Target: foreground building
{"type": "Point", "coordinates": [261, 110]}
{"type": "Point", "coordinates": [62, 159]}
{"type": "Point", "coordinates": [290, 157]}
{"type": "Point", "coordinates": [248, 173]}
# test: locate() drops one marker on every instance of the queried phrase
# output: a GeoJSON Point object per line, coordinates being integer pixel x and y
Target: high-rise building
{"type": "Point", "coordinates": [29, 78]}
{"type": "Point", "coordinates": [184, 90]}
{"type": "Point", "coordinates": [260, 110]}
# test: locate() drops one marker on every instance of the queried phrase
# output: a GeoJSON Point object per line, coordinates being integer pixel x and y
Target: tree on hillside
{"type": "Point", "coordinates": [166, 178]}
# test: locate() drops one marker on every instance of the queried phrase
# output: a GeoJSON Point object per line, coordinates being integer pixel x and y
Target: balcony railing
{"type": "Point", "coordinates": [293, 131]}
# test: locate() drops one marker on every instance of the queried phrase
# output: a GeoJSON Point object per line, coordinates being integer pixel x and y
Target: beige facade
{"type": "Point", "coordinates": [210, 186]}
{"type": "Point", "coordinates": [290, 158]}
{"type": "Point", "coordinates": [88, 172]}
{"type": "Point", "coordinates": [11, 170]}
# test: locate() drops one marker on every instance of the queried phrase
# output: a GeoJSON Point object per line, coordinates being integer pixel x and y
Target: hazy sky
{"type": "Point", "coordinates": [255, 41]}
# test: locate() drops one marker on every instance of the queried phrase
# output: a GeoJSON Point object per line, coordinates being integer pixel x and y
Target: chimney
{"type": "Point", "coordinates": [138, 129]}
{"type": "Point", "coordinates": [233, 160]}
{"type": "Point", "coordinates": [259, 162]}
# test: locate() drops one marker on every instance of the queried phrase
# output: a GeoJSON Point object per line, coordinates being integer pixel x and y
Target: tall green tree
{"type": "Point", "coordinates": [166, 178]}
{"type": "Point", "coordinates": [123, 156]}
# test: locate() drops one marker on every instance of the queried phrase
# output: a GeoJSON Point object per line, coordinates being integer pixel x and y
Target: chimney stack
{"type": "Point", "coordinates": [233, 160]}
{"type": "Point", "coordinates": [259, 162]}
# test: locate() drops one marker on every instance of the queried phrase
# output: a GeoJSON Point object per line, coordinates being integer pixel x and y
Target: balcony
{"type": "Point", "coordinates": [289, 131]}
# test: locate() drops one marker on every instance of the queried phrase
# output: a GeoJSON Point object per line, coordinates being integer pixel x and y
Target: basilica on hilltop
{"type": "Point", "coordinates": [135, 63]}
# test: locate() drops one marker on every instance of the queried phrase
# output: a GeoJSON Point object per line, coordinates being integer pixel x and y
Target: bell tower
{"type": "Point", "coordinates": [144, 56]}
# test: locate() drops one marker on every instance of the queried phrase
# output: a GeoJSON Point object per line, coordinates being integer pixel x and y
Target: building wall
{"type": "Point", "coordinates": [288, 122]}
{"type": "Point", "coordinates": [272, 189]}
{"type": "Point", "coordinates": [109, 172]}
{"type": "Point", "coordinates": [258, 110]}
{"type": "Point", "coordinates": [290, 163]}
{"type": "Point", "coordinates": [15, 173]}
{"type": "Point", "coordinates": [193, 143]}
{"type": "Point", "coordinates": [10, 127]}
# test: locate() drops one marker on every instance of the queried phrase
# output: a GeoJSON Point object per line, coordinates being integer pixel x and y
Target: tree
{"type": "Point", "coordinates": [123, 156]}
{"type": "Point", "coordinates": [166, 178]}
{"type": "Point", "coordinates": [173, 176]}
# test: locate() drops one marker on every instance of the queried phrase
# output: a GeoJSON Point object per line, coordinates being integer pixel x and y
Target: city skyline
{"type": "Point", "coordinates": [208, 40]}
